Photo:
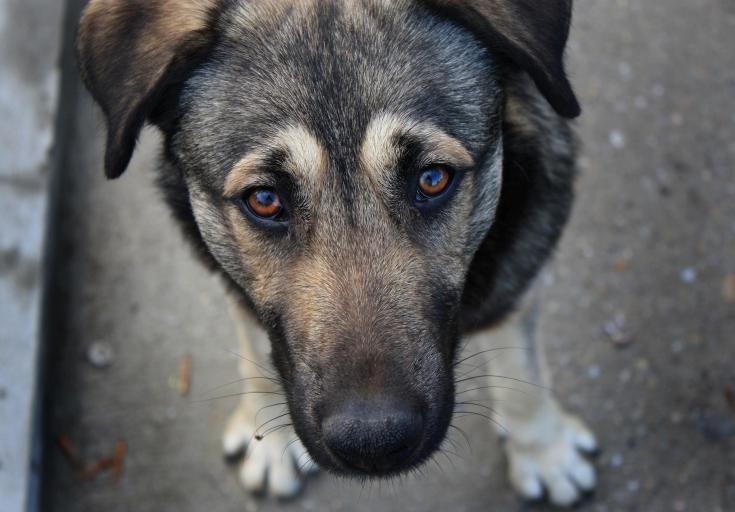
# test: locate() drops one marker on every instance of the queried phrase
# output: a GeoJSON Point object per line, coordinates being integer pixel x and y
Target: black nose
{"type": "Point", "coordinates": [373, 436]}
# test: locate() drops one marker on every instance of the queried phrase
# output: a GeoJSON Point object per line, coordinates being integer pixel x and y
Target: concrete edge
{"type": "Point", "coordinates": [65, 113]}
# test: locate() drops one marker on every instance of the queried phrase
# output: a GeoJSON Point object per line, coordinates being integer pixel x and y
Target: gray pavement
{"type": "Point", "coordinates": [638, 318]}
{"type": "Point", "coordinates": [29, 83]}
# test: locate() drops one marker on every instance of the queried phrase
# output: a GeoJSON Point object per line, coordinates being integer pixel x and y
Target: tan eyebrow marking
{"type": "Point", "coordinates": [306, 158]}
{"type": "Point", "coordinates": [239, 177]}
{"type": "Point", "coordinates": [379, 150]}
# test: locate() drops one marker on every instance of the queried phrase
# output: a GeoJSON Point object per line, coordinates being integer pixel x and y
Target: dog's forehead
{"type": "Point", "coordinates": [332, 70]}
{"type": "Point", "coordinates": [303, 155]}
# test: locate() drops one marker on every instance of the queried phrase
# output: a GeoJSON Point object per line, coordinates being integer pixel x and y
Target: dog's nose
{"type": "Point", "coordinates": [373, 436]}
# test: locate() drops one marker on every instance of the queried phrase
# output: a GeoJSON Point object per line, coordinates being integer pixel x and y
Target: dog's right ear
{"type": "Point", "coordinates": [130, 52]}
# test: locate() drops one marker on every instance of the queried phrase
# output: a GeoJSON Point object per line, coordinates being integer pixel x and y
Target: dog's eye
{"type": "Point", "coordinates": [433, 182]}
{"type": "Point", "coordinates": [264, 203]}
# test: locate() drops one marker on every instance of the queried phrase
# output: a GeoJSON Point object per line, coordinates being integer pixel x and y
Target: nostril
{"type": "Point", "coordinates": [371, 437]}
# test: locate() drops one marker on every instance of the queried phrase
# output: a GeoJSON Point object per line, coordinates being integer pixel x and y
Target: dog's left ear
{"type": "Point", "coordinates": [130, 52]}
{"type": "Point", "coordinates": [531, 33]}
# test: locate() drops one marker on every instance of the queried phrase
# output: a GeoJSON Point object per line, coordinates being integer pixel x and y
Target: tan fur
{"type": "Point", "coordinates": [379, 151]}
{"type": "Point", "coordinates": [345, 285]}
{"type": "Point", "coordinates": [543, 440]}
{"type": "Point", "coordinates": [306, 159]}
{"type": "Point", "coordinates": [122, 71]}
{"type": "Point", "coordinates": [171, 21]}
{"type": "Point", "coordinates": [516, 115]}
{"type": "Point", "coordinates": [172, 18]}
{"type": "Point", "coordinates": [252, 256]}
{"type": "Point", "coordinates": [242, 173]}
{"type": "Point", "coordinates": [341, 298]}
{"type": "Point", "coordinates": [274, 459]}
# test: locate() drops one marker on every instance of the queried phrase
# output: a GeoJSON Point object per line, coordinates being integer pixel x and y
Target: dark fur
{"type": "Point", "coordinates": [238, 80]}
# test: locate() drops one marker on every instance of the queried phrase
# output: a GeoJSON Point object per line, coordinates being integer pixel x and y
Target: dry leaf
{"type": "Point", "coordinates": [66, 447]}
{"type": "Point", "coordinates": [728, 287]}
{"type": "Point", "coordinates": [185, 367]}
{"type": "Point", "coordinates": [115, 462]}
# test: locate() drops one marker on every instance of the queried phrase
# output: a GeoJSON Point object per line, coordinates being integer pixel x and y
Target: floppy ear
{"type": "Point", "coordinates": [130, 52]}
{"type": "Point", "coordinates": [531, 33]}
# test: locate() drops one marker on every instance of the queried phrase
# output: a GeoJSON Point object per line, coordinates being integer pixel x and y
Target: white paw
{"type": "Point", "coordinates": [554, 464]}
{"type": "Point", "coordinates": [272, 463]}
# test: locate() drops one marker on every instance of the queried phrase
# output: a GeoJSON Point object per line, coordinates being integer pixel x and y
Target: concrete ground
{"type": "Point", "coordinates": [639, 306]}
{"type": "Point", "coordinates": [29, 84]}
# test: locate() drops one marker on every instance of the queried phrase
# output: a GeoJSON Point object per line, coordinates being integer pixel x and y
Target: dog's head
{"type": "Point", "coordinates": [343, 162]}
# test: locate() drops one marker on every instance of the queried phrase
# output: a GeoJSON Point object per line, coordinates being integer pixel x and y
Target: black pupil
{"type": "Point", "coordinates": [431, 178]}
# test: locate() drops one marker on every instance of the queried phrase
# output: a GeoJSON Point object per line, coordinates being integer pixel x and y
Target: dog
{"type": "Point", "coordinates": [377, 182]}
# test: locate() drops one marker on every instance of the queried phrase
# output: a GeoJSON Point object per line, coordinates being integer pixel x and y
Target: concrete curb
{"type": "Point", "coordinates": [30, 36]}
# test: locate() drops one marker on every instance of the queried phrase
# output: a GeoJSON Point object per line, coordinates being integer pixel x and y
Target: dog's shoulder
{"type": "Point", "coordinates": [537, 194]}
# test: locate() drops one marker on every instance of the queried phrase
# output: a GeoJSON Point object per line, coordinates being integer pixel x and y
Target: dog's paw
{"type": "Point", "coordinates": [273, 463]}
{"type": "Point", "coordinates": [554, 464]}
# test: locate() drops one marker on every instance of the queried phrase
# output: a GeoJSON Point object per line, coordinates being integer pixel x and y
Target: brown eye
{"type": "Point", "coordinates": [433, 181]}
{"type": "Point", "coordinates": [265, 203]}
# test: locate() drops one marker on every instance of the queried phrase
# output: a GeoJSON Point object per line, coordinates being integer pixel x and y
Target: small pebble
{"type": "Point", "coordinates": [547, 277]}
{"type": "Point", "coordinates": [677, 346]}
{"type": "Point", "coordinates": [625, 375]}
{"type": "Point", "coordinates": [645, 232]}
{"type": "Point", "coordinates": [593, 371]}
{"type": "Point", "coordinates": [633, 485]}
{"type": "Point", "coordinates": [716, 427]}
{"type": "Point", "coordinates": [100, 354]}
{"type": "Point", "coordinates": [676, 417]}
{"type": "Point", "coordinates": [625, 70]}
{"type": "Point", "coordinates": [617, 139]}
{"type": "Point", "coordinates": [688, 275]}
{"type": "Point", "coordinates": [617, 330]}
{"type": "Point", "coordinates": [621, 263]}
{"type": "Point", "coordinates": [679, 506]}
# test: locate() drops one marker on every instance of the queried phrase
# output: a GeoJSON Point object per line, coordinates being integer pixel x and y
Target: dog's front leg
{"type": "Point", "coordinates": [543, 441]}
{"type": "Point", "coordinates": [274, 456]}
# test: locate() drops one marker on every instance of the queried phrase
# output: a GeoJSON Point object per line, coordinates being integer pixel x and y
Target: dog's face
{"type": "Point", "coordinates": [343, 162]}
{"type": "Point", "coordinates": [345, 186]}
